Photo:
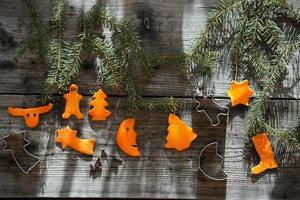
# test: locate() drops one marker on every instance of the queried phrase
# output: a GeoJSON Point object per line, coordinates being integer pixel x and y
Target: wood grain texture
{"type": "Point", "coordinates": [159, 173]}
{"type": "Point", "coordinates": [174, 25]}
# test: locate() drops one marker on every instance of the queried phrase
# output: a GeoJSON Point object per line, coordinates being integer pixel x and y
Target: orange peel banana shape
{"type": "Point", "coordinates": [180, 136]}
{"type": "Point", "coordinates": [126, 138]}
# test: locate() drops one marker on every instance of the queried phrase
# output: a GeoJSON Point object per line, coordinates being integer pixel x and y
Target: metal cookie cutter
{"type": "Point", "coordinates": [220, 165]}
{"type": "Point", "coordinates": [211, 105]}
{"type": "Point", "coordinates": [15, 143]}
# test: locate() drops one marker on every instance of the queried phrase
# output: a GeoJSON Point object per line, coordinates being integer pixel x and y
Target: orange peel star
{"type": "Point", "coordinates": [180, 136]}
{"type": "Point", "coordinates": [30, 115]}
{"type": "Point", "coordinates": [240, 93]}
{"type": "Point", "coordinates": [98, 112]}
{"type": "Point", "coordinates": [126, 138]}
{"type": "Point", "coordinates": [68, 138]}
{"type": "Point", "coordinates": [72, 103]}
{"type": "Point", "coordinates": [264, 149]}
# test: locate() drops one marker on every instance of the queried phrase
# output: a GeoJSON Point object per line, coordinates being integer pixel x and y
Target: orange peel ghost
{"type": "Point", "coordinates": [68, 138]}
{"type": "Point", "coordinates": [179, 135]}
{"type": "Point", "coordinates": [72, 103]}
{"type": "Point", "coordinates": [126, 138]}
{"type": "Point", "coordinates": [264, 149]}
{"type": "Point", "coordinates": [98, 112]}
{"type": "Point", "coordinates": [240, 93]}
{"type": "Point", "coordinates": [30, 115]}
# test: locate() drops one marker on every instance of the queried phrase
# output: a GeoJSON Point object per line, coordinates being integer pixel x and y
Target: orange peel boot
{"type": "Point", "coordinates": [68, 138]}
{"type": "Point", "coordinates": [180, 136]}
{"type": "Point", "coordinates": [126, 138]}
{"type": "Point", "coordinates": [240, 93]}
{"type": "Point", "coordinates": [264, 149]}
{"type": "Point", "coordinates": [98, 112]}
{"type": "Point", "coordinates": [72, 103]}
{"type": "Point", "coordinates": [30, 115]}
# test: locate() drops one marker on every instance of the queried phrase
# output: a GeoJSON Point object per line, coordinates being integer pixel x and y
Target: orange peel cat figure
{"type": "Point", "coordinates": [72, 103]}
{"type": "Point", "coordinates": [98, 112]}
{"type": "Point", "coordinates": [126, 138]}
{"type": "Point", "coordinates": [264, 150]}
{"type": "Point", "coordinates": [68, 138]}
{"type": "Point", "coordinates": [180, 136]}
{"type": "Point", "coordinates": [30, 115]}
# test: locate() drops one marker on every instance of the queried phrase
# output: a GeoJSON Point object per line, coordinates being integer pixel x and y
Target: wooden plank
{"type": "Point", "coordinates": [174, 24]}
{"type": "Point", "coordinates": [159, 173]}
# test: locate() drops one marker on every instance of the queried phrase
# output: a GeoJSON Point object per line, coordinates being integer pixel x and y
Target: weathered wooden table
{"type": "Point", "coordinates": [159, 173]}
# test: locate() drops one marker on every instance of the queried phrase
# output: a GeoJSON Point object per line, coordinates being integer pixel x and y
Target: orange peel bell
{"type": "Point", "coordinates": [68, 138]}
{"type": "Point", "coordinates": [30, 115]}
{"type": "Point", "coordinates": [126, 138]}
{"type": "Point", "coordinates": [98, 112]}
{"type": "Point", "coordinates": [72, 103]}
{"type": "Point", "coordinates": [179, 135]}
{"type": "Point", "coordinates": [264, 149]}
{"type": "Point", "coordinates": [240, 93]}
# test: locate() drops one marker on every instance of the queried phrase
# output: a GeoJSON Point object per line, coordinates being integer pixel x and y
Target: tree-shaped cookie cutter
{"type": "Point", "coordinates": [219, 107]}
{"type": "Point", "coordinates": [220, 165]}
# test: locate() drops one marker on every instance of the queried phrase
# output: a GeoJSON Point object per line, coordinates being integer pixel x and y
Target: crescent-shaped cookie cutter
{"type": "Point", "coordinates": [12, 153]}
{"type": "Point", "coordinates": [222, 161]}
{"type": "Point", "coordinates": [202, 110]}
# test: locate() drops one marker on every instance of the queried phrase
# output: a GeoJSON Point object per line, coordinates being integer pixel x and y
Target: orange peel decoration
{"type": "Point", "coordinates": [68, 138]}
{"type": "Point", "coordinates": [179, 135]}
{"type": "Point", "coordinates": [98, 112]}
{"type": "Point", "coordinates": [265, 152]}
{"type": "Point", "coordinates": [240, 93]}
{"type": "Point", "coordinates": [126, 138]}
{"type": "Point", "coordinates": [72, 103]}
{"type": "Point", "coordinates": [30, 115]}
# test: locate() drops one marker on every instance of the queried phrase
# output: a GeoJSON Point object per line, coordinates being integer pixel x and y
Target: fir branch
{"type": "Point", "coordinates": [109, 65]}
{"type": "Point", "coordinates": [134, 94]}
{"type": "Point", "coordinates": [38, 38]}
{"type": "Point", "coordinates": [59, 49]}
{"type": "Point", "coordinates": [166, 104]}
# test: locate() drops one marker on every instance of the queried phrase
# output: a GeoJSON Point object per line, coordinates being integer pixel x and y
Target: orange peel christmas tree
{"type": "Point", "coordinates": [264, 149]}
{"type": "Point", "coordinates": [30, 115]}
{"type": "Point", "coordinates": [126, 138]}
{"type": "Point", "coordinates": [72, 103]}
{"type": "Point", "coordinates": [98, 112]}
{"type": "Point", "coordinates": [240, 93]}
{"type": "Point", "coordinates": [180, 136]}
{"type": "Point", "coordinates": [68, 138]}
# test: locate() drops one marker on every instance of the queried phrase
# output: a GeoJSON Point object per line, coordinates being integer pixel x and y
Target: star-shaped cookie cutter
{"type": "Point", "coordinates": [214, 102]}
{"type": "Point", "coordinates": [13, 132]}
{"type": "Point", "coordinates": [220, 165]}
